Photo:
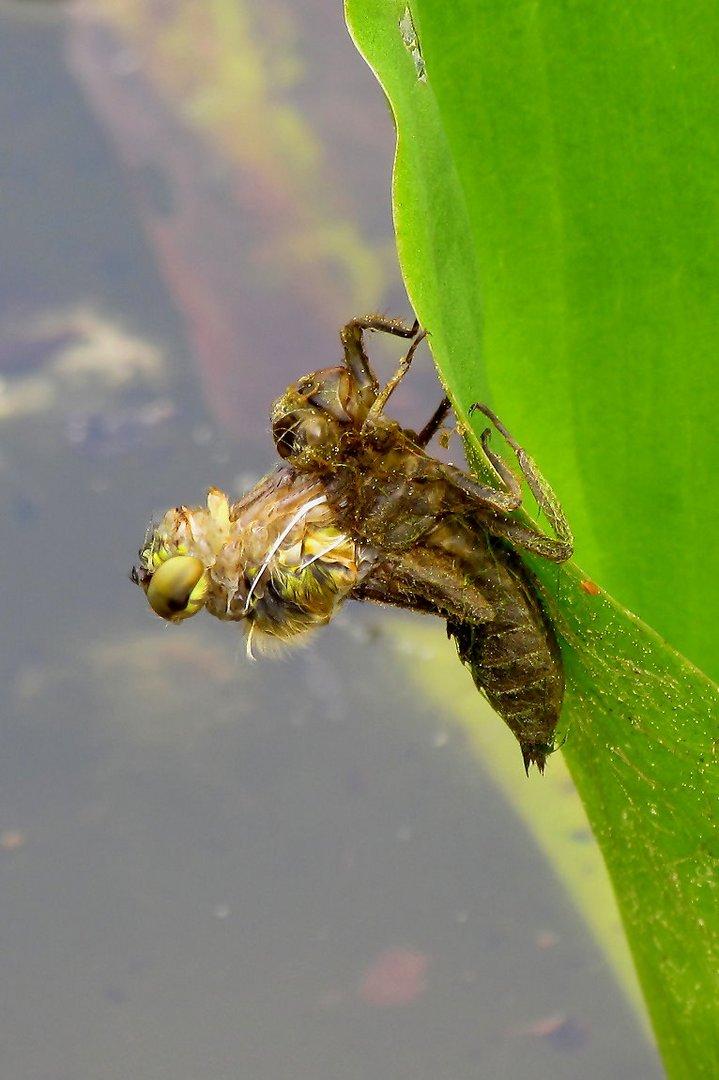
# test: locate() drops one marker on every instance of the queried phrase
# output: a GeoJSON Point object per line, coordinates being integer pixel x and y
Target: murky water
{"type": "Point", "coordinates": [209, 867]}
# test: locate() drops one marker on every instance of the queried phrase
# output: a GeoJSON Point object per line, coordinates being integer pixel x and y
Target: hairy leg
{"type": "Point", "coordinates": [355, 355]}
{"type": "Point", "coordinates": [540, 488]}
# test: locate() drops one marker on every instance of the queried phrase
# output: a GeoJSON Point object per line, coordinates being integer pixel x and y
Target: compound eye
{"type": "Point", "coordinates": [284, 432]}
{"type": "Point", "coordinates": [177, 588]}
{"type": "Point", "coordinates": [306, 387]}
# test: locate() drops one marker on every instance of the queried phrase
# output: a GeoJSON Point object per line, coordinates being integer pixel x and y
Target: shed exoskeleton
{"type": "Point", "coordinates": [446, 542]}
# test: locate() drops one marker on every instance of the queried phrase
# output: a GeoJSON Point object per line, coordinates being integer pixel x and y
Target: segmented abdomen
{"type": "Point", "coordinates": [514, 658]}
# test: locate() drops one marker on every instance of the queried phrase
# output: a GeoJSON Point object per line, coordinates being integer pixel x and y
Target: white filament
{"type": "Point", "coordinates": [302, 512]}
{"type": "Point", "coordinates": [325, 551]}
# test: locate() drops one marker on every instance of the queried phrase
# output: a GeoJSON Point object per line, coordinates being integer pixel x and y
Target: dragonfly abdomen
{"type": "Point", "coordinates": [514, 658]}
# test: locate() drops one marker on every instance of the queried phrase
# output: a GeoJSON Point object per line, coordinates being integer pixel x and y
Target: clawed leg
{"type": "Point", "coordinates": [386, 392]}
{"type": "Point", "coordinates": [434, 423]}
{"type": "Point", "coordinates": [501, 500]}
{"type": "Point", "coordinates": [352, 338]}
{"type": "Point", "coordinates": [358, 362]}
{"type": "Point", "coordinates": [527, 537]}
{"type": "Point", "coordinates": [558, 549]}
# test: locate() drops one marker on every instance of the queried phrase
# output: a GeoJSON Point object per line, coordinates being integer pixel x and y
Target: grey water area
{"type": "Point", "coordinates": [292, 868]}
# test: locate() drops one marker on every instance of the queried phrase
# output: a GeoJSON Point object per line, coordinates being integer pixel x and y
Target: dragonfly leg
{"type": "Point", "coordinates": [355, 354]}
{"type": "Point", "coordinates": [434, 423]}
{"type": "Point", "coordinates": [561, 547]}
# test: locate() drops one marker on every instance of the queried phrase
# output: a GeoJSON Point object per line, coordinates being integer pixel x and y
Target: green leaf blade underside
{"type": "Point", "coordinates": [556, 198]}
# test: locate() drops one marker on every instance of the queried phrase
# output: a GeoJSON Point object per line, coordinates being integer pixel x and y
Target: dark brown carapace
{"type": "Point", "coordinates": [445, 543]}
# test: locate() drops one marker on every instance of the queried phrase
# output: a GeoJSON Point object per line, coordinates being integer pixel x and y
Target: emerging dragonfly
{"type": "Point", "coordinates": [359, 509]}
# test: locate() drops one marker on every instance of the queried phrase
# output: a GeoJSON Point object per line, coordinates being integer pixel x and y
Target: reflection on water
{"type": "Point", "coordinates": [210, 867]}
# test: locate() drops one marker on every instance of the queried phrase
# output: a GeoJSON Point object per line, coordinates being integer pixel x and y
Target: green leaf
{"type": "Point", "coordinates": [556, 193]}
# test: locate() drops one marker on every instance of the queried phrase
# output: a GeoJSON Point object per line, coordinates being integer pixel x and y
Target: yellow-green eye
{"type": "Point", "coordinates": [177, 588]}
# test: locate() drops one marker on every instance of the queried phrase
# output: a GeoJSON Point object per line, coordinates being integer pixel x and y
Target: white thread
{"type": "Point", "coordinates": [302, 512]}
{"type": "Point", "coordinates": [326, 551]}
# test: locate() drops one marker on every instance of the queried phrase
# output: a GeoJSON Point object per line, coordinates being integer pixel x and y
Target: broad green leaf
{"type": "Point", "coordinates": [556, 194]}
{"type": "Point", "coordinates": [557, 215]}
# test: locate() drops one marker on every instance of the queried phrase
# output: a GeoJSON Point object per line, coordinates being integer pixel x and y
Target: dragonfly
{"type": "Point", "coordinates": [359, 509]}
